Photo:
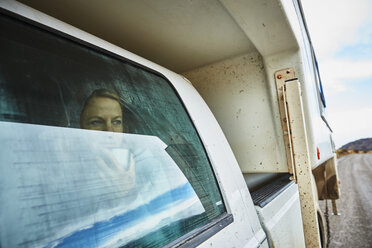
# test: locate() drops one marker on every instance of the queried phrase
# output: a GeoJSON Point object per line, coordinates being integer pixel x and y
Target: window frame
{"type": "Point", "coordinates": [314, 63]}
{"type": "Point", "coordinates": [319, 88]}
{"type": "Point", "coordinates": [199, 234]}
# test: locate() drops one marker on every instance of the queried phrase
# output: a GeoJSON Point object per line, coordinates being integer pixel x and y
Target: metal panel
{"type": "Point", "coordinates": [238, 94]}
{"type": "Point", "coordinates": [245, 230]}
{"type": "Point", "coordinates": [306, 184]}
{"type": "Point", "coordinates": [281, 221]}
{"type": "Point", "coordinates": [280, 78]}
{"type": "Point", "coordinates": [180, 35]}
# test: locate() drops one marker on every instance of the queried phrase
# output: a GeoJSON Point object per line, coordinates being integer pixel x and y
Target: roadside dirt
{"type": "Point", "coordinates": [354, 227]}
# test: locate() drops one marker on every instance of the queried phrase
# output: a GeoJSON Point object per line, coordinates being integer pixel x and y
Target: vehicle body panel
{"type": "Point", "coordinates": [230, 51]}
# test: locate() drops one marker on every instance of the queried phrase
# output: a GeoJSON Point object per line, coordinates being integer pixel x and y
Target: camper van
{"type": "Point", "coordinates": [169, 123]}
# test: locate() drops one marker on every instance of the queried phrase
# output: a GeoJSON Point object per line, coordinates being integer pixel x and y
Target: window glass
{"type": "Point", "coordinates": [95, 151]}
{"type": "Point", "coordinates": [319, 82]}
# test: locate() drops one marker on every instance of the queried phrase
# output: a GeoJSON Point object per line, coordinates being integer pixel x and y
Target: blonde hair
{"type": "Point", "coordinates": [107, 94]}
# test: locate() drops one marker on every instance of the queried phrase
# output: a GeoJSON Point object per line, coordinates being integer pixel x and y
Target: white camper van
{"type": "Point", "coordinates": [193, 123]}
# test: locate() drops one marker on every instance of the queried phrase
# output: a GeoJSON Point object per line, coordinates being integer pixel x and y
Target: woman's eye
{"type": "Point", "coordinates": [116, 122]}
{"type": "Point", "coordinates": [95, 123]}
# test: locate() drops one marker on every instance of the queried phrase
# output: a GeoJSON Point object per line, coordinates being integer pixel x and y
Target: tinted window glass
{"type": "Point", "coordinates": [143, 182]}
{"type": "Point", "coordinates": [320, 86]}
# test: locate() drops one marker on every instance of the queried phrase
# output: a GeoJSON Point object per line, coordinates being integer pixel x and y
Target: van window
{"type": "Point", "coordinates": [95, 151]}
{"type": "Point", "coordinates": [319, 83]}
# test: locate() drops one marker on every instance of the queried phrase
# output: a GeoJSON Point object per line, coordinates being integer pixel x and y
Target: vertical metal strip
{"type": "Point", "coordinates": [280, 78]}
{"type": "Point", "coordinates": [302, 164]}
{"type": "Point", "coordinates": [291, 165]}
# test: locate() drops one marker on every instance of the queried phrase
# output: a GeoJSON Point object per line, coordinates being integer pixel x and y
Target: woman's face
{"type": "Point", "coordinates": [102, 113]}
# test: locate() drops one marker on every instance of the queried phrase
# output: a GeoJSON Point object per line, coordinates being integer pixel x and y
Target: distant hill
{"type": "Point", "coordinates": [358, 146]}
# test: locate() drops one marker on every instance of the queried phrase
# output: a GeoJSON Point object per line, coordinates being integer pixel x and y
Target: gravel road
{"type": "Point", "coordinates": [354, 227]}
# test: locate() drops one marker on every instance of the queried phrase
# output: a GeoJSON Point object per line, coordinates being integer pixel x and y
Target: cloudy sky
{"type": "Point", "coordinates": [341, 32]}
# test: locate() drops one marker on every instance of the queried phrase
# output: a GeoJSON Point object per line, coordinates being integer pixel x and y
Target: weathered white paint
{"type": "Point", "coordinates": [246, 228]}
{"type": "Point", "coordinates": [204, 40]}
{"type": "Point", "coordinates": [306, 184]}
{"type": "Point", "coordinates": [281, 221]}
{"type": "Point", "coordinates": [188, 35]}
{"type": "Point", "coordinates": [180, 35]}
{"type": "Point", "coordinates": [237, 93]}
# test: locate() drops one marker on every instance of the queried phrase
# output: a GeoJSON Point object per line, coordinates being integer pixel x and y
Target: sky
{"type": "Point", "coordinates": [341, 33]}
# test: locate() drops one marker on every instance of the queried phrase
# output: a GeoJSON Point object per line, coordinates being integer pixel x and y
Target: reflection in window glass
{"type": "Point", "coordinates": [145, 182]}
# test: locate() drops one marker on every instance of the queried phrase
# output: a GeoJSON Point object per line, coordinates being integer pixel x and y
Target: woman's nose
{"type": "Point", "coordinates": [108, 126]}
